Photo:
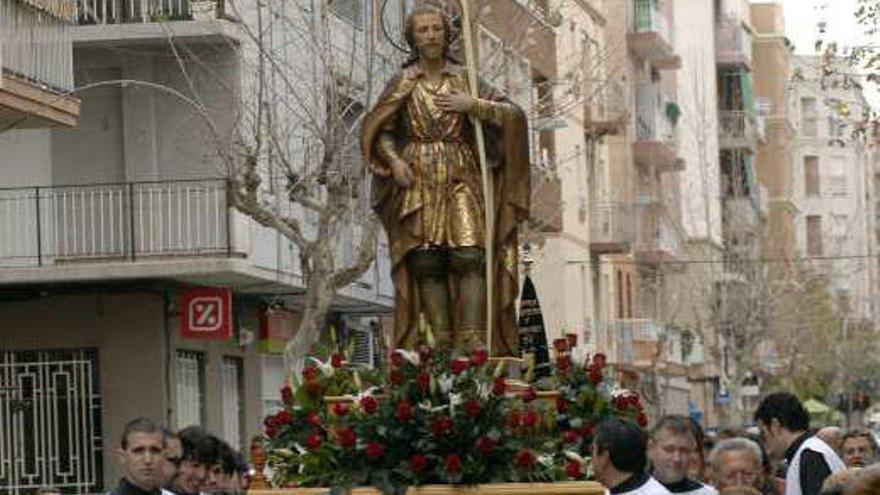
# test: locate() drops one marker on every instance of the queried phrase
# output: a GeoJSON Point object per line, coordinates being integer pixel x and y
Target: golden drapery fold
{"type": "Point", "coordinates": [383, 136]}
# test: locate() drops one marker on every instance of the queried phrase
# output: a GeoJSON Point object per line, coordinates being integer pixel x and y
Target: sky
{"type": "Point", "coordinates": [802, 17]}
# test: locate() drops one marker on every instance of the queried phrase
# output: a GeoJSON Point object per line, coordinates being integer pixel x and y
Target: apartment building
{"type": "Point", "coordinates": [832, 178]}
{"type": "Point", "coordinates": [635, 216]}
{"type": "Point", "coordinates": [109, 232]}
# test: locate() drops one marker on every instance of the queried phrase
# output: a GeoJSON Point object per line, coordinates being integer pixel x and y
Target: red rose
{"type": "Point", "coordinates": [311, 373]}
{"type": "Point", "coordinates": [271, 431]}
{"type": "Point", "coordinates": [453, 463]}
{"type": "Point", "coordinates": [287, 394]}
{"type": "Point", "coordinates": [369, 404]}
{"type": "Point", "coordinates": [570, 436]}
{"type": "Point", "coordinates": [514, 419]}
{"type": "Point", "coordinates": [573, 469]}
{"type": "Point", "coordinates": [594, 374]}
{"type": "Point", "coordinates": [314, 388]}
{"type": "Point", "coordinates": [458, 366]}
{"type": "Point", "coordinates": [340, 409]}
{"type": "Point", "coordinates": [473, 408]}
{"type": "Point", "coordinates": [417, 463]}
{"type": "Point", "coordinates": [441, 425]}
{"type": "Point", "coordinates": [403, 411]}
{"type": "Point", "coordinates": [563, 363]}
{"type": "Point", "coordinates": [337, 360]}
{"type": "Point", "coordinates": [397, 360]}
{"type": "Point", "coordinates": [425, 354]}
{"type": "Point", "coordinates": [479, 357]}
{"type": "Point", "coordinates": [600, 360]}
{"type": "Point", "coordinates": [530, 418]}
{"type": "Point", "coordinates": [283, 418]}
{"type": "Point", "coordinates": [374, 450]}
{"type": "Point", "coordinates": [346, 437]}
{"type": "Point", "coordinates": [396, 378]}
{"type": "Point", "coordinates": [485, 445]}
{"type": "Point", "coordinates": [588, 429]}
{"type": "Point", "coordinates": [561, 345]}
{"type": "Point", "coordinates": [572, 340]}
{"type": "Point", "coordinates": [524, 458]}
{"type": "Point", "coordinates": [642, 420]}
{"type": "Point", "coordinates": [561, 405]}
{"type": "Point", "coordinates": [529, 394]}
{"type": "Point", "coordinates": [424, 382]}
{"type": "Point", "coordinates": [313, 418]}
{"type": "Point", "coordinates": [499, 386]}
{"type": "Point", "coordinates": [314, 441]}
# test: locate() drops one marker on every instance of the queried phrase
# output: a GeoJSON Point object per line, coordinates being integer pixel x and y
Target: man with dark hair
{"type": "Point", "coordinates": [141, 455]}
{"type": "Point", "coordinates": [783, 423]}
{"type": "Point", "coordinates": [619, 459]}
{"type": "Point", "coordinates": [200, 451]}
{"type": "Point", "coordinates": [670, 449]}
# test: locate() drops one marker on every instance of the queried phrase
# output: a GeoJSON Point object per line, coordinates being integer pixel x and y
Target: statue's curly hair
{"type": "Point", "coordinates": [411, 39]}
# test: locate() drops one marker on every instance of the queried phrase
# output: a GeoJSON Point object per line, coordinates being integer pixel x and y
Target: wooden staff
{"type": "Point", "coordinates": [473, 83]}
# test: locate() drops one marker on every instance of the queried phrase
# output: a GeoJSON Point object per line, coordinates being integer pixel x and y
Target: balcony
{"type": "Point", "coordinates": [658, 239]}
{"type": "Point", "coordinates": [36, 57]}
{"type": "Point", "coordinates": [605, 111]}
{"type": "Point", "coordinates": [612, 228]}
{"type": "Point", "coordinates": [633, 343]}
{"type": "Point", "coordinates": [650, 36]}
{"type": "Point", "coordinates": [733, 43]}
{"type": "Point", "coordinates": [655, 144]}
{"type": "Point", "coordinates": [151, 21]}
{"type": "Point", "coordinates": [739, 130]}
{"type": "Point", "coordinates": [114, 222]}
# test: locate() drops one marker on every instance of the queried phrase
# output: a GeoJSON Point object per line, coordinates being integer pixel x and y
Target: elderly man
{"type": "Point", "coordinates": [736, 462]}
{"type": "Point", "coordinates": [858, 448]}
{"type": "Point", "coordinates": [619, 459]}
{"type": "Point", "coordinates": [142, 457]}
{"type": "Point", "coordinates": [783, 423]}
{"type": "Point", "coordinates": [670, 450]}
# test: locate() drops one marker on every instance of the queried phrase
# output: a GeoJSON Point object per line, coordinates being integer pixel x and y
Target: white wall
{"type": "Point", "coordinates": [698, 125]}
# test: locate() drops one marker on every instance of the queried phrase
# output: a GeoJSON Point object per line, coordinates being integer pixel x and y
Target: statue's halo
{"type": "Point", "coordinates": [454, 20]}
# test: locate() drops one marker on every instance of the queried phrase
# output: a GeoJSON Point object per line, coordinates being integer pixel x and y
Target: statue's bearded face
{"type": "Point", "coordinates": [429, 35]}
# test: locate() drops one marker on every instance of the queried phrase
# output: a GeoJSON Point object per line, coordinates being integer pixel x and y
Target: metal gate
{"type": "Point", "coordinates": [50, 413]}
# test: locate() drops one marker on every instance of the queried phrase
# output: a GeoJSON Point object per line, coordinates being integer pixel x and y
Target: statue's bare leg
{"type": "Point", "coordinates": [429, 266]}
{"type": "Point", "coordinates": [469, 264]}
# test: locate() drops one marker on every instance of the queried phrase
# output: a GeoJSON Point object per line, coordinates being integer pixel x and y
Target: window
{"type": "Point", "coordinates": [190, 388]}
{"type": "Point", "coordinates": [811, 176]}
{"type": "Point", "coordinates": [837, 183]}
{"type": "Point", "coordinates": [840, 227]}
{"type": "Point", "coordinates": [814, 235]}
{"type": "Point", "coordinates": [232, 375]}
{"type": "Point", "coordinates": [808, 117]}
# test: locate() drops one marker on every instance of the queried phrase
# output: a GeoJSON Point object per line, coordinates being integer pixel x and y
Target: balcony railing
{"type": "Point", "coordinates": [739, 129]}
{"type": "Point", "coordinates": [129, 11]}
{"type": "Point", "coordinates": [127, 221]}
{"type": "Point", "coordinates": [733, 42]}
{"type": "Point", "coordinates": [612, 226]}
{"type": "Point", "coordinates": [652, 122]}
{"type": "Point", "coordinates": [658, 238]}
{"type": "Point", "coordinates": [35, 45]}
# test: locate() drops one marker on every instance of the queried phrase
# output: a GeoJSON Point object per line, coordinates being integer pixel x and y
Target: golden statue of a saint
{"type": "Point", "coordinates": [418, 142]}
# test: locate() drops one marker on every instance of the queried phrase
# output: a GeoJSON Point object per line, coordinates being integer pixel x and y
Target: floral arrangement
{"type": "Point", "coordinates": [438, 416]}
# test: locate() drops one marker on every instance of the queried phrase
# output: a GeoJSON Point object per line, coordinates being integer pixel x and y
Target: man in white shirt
{"type": "Point", "coordinates": [619, 459]}
{"type": "Point", "coordinates": [670, 450]}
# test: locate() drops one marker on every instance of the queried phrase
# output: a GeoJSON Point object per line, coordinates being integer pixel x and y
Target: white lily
{"type": "Point", "coordinates": [411, 356]}
{"type": "Point", "coordinates": [545, 459]}
{"type": "Point", "coordinates": [325, 367]}
{"type": "Point", "coordinates": [574, 456]}
{"type": "Point", "coordinates": [483, 390]}
{"type": "Point", "coordinates": [445, 381]}
{"type": "Point", "coordinates": [455, 400]}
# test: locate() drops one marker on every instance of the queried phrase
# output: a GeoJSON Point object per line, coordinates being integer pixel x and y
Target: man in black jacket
{"type": "Point", "coordinates": [142, 457]}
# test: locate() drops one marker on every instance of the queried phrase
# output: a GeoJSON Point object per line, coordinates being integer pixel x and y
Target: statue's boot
{"type": "Point", "coordinates": [470, 266]}
{"type": "Point", "coordinates": [428, 265]}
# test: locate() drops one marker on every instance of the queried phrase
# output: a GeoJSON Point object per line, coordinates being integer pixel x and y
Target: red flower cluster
{"type": "Point", "coordinates": [313, 385]}
{"type": "Point", "coordinates": [441, 425]}
{"type": "Point", "coordinates": [529, 394]}
{"type": "Point", "coordinates": [274, 423]}
{"type": "Point", "coordinates": [418, 463]}
{"type": "Point", "coordinates": [524, 458]}
{"type": "Point", "coordinates": [453, 464]}
{"type": "Point", "coordinates": [573, 469]}
{"type": "Point", "coordinates": [485, 444]}
{"type": "Point", "coordinates": [459, 366]}
{"type": "Point", "coordinates": [479, 357]}
{"type": "Point", "coordinates": [424, 382]}
{"type": "Point", "coordinates": [561, 344]}
{"type": "Point", "coordinates": [473, 408]}
{"type": "Point", "coordinates": [374, 450]}
{"type": "Point", "coordinates": [369, 404]}
{"type": "Point", "coordinates": [499, 386]}
{"type": "Point", "coordinates": [346, 437]}
{"type": "Point", "coordinates": [337, 360]}
{"type": "Point", "coordinates": [314, 441]}
{"type": "Point", "coordinates": [340, 409]}
{"type": "Point", "coordinates": [403, 412]}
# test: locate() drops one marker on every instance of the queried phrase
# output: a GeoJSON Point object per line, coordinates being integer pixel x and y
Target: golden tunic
{"type": "Point", "coordinates": [444, 204]}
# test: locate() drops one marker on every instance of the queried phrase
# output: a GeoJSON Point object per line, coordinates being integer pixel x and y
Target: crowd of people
{"type": "Point", "coordinates": [786, 457]}
{"type": "Point", "coordinates": [157, 461]}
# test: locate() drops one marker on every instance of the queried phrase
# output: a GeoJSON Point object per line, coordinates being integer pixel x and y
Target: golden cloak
{"type": "Point", "coordinates": [508, 157]}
